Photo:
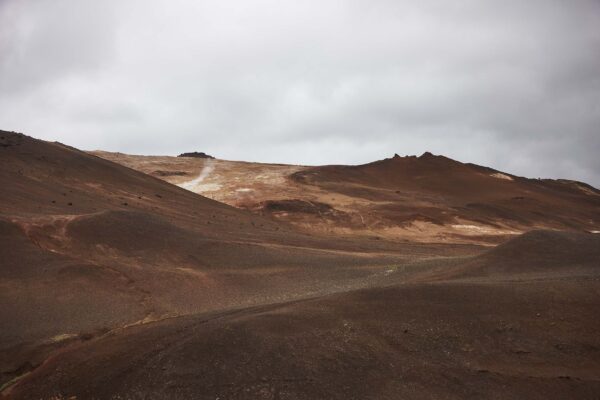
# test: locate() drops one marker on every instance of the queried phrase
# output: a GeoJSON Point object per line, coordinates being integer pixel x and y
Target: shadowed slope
{"type": "Point", "coordinates": [413, 342]}
{"type": "Point", "coordinates": [541, 252]}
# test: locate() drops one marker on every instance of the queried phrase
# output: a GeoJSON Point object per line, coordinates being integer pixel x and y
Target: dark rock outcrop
{"type": "Point", "coordinates": [159, 172]}
{"type": "Point", "coordinates": [195, 154]}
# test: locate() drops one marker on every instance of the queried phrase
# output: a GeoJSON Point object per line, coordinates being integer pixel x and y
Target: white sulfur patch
{"type": "Point", "coordinates": [484, 230]}
{"type": "Point", "coordinates": [470, 227]}
{"type": "Point", "coordinates": [207, 187]}
{"type": "Point", "coordinates": [502, 176]}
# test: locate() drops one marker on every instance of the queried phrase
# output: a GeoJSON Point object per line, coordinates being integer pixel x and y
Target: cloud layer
{"type": "Point", "coordinates": [513, 85]}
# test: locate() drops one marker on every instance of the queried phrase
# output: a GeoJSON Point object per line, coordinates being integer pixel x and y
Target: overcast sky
{"type": "Point", "coordinates": [514, 85]}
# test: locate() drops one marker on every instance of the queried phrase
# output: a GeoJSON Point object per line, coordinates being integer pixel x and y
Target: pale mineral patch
{"type": "Point", "coordinates": [502, 176]}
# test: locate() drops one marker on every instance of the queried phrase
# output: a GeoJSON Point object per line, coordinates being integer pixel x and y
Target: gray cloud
{"type": "Point", "coordinates": [513, 85]}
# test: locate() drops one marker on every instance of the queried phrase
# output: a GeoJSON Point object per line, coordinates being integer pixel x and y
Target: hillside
{"type": "Point", "coordinates": [540, 253]}
{"type": "Point", "coordinates": [89, 246]}
{"type": "Point", "coordinates": [428, 198]}
{"type": "Point", "coordinates": [117, 284]}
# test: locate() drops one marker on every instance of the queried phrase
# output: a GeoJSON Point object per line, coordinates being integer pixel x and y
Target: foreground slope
{"type": "Point", "coordinates": [504, 337]}
{"type": "Point", "coordinates": [428, 198]}
{"type": "Point", "coordinates": [88, 246]}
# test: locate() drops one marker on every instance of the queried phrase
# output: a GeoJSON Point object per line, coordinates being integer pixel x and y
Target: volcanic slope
{"type": "Point", "coordinates": [428, 198]}
{"type": "Point", "coordinates": [115, 284]}
{"type": "Point", "coordinates": [88, 246]}
{"type": "Point", "coordinates": [492, 332]}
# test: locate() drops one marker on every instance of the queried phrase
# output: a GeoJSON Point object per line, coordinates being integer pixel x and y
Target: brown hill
{"type": "Point", "coordinates": [89, 246]}
{"type": "Point", "coordinates": [428, 198]}
{"type": "Point", "coordinates": [116, 284]}
{"type": "Point", "coordinates": [445, 191]}
{"type": "Point", "coordinates": [540, 252]}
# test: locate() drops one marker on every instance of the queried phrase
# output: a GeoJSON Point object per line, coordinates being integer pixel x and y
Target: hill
{"type": "Point", "coordinates": [541, 253]}
{"type": "Point", "coordinates": [428, 198]}
{"type": "Point", "coordinates": [117, 284]}
{"type": "Point", "coordinates": [89, 246]}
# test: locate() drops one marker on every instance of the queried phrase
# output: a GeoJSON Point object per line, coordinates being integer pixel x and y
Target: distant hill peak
{"type": "Point", "coordinates": [427, 158]}
{"type": "Point", "coordinates": [196, 154]}
{"type": "Point", "coordinates": [426, 155]}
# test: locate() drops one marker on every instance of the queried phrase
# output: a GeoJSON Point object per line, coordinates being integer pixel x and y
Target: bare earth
{"type": "Point", "coordinates": [404, 278]}
{"type": "Point", "coordinates": [425, 199]}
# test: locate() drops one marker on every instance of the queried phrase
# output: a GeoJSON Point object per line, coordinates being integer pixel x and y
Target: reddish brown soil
{"type": "Point", "coordinates": [535, 339]}
{"type": "Point", "coordinates": [116, 284]}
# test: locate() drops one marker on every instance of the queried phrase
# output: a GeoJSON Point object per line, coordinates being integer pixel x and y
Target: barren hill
{"type": "Point", "coordinates": [428, 198]}
{"type": "Point", "coordinates": [324, 282]}
{"type": "Point", "coordinates": [542, 254]}
{"type": "Point", "coordinates": [89, 246]}
{"type": "Point", "coordinates": [500, 338]}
